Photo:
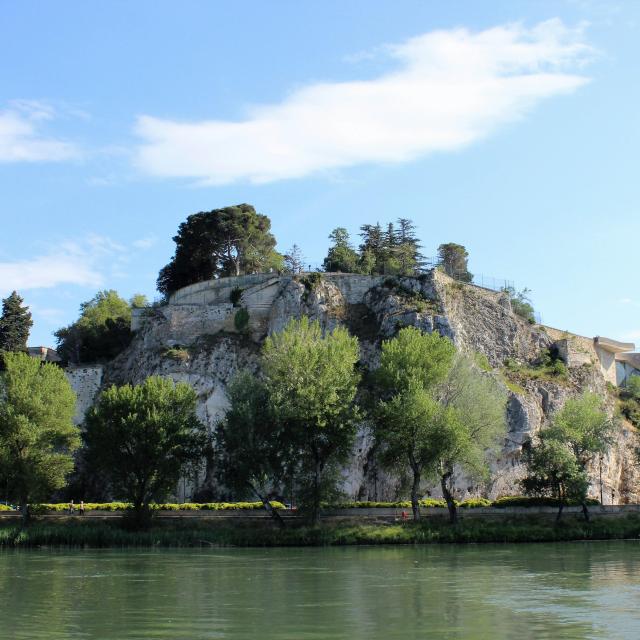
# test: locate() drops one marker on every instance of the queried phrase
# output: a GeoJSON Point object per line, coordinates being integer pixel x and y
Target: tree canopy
{"type": "Point", "coordinates": [15, 324]}
{"type": "Point", "coordinates": [143, 438]}
{"type": "Point", "coordinates": [101, 332]}
{"type": "Point", "coordinates": [223, 242]}
{"type": "Point", "coordinates": [312, 382]}
{"type": "Point", "coordinates": [453, 259]}
{"type": "Point", "coordinates": [37, 433]}
{"type": "Point", "coordinates": [438, 412]}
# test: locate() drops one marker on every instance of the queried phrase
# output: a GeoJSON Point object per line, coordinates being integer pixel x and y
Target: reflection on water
{"type": "Point", "coordinates": [579, 590]}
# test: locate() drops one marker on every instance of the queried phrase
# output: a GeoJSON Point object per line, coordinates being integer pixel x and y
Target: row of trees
{"type": "Point", "coordinates": [433, 412]}
{"type": "Point", "coordinates": [237, 240]}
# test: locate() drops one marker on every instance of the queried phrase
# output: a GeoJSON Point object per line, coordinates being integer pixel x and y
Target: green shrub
{"type": "Point", "coordinates": [241, 319]}
{"type": "Point", "coordinates": [534, 501]}
{"type": "Point", "coordinates": [5, 507]}
{"type": "Point", "coordinates": [236, 294]}
{"type": "Point", "coordinates": [473, 503]}
{"type": "Point", "coordinates": [177, 353]}
{"type": "Point", "coordinates": [185, 506]}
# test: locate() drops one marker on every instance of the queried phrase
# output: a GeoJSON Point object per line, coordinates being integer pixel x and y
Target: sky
{"type": "Point", "coordinates": [510, 127]}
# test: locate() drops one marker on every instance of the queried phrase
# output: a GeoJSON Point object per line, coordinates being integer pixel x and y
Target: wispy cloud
{"type": "Point", "coordinates": [449, 89]}
{"type": "Point", "coordinates": [87, 262]}
{"type": "Point", "coordinates": [22, 138]}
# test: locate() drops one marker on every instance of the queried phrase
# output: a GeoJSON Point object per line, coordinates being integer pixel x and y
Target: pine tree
{"type": "Point", "coordinates": [15, 324]}
{"type": "Point", "coordinates": [294, 260]}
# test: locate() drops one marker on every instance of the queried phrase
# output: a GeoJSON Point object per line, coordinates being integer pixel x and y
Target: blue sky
{"type": "Point", "coordinates": [510, 127]}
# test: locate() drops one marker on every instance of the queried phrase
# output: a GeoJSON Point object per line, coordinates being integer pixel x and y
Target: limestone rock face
{"type": "Point", "coordinates": [195, 339]}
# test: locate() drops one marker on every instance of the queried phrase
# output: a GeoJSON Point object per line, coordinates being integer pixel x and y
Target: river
{"type": "Point", "coordinates": [532, 591]}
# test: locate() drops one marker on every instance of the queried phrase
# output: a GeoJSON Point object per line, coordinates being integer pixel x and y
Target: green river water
{"type": "Point", "coordinates": [576, 590]}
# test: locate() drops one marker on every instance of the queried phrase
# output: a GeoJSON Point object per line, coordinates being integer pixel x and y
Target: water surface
{"type": "Point", "coordinates": [576, 590]}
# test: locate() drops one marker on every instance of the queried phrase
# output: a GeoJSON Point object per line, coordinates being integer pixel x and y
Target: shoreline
{"type": "Point", "coordinates": [75, 533]}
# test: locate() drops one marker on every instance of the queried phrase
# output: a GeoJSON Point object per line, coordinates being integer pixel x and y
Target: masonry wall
{"type": "Point", "coordinates": [85, 381]}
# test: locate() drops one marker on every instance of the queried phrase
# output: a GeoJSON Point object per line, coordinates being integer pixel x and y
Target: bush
{"type": "Point", "coordinates": [241, 319]}
{"type": "Point", "coordinates": [185, 506]}
{"type": "Point", "coordinates": [535, 501]}
{"type": "Point", "coordinates": [473, 503]}
{"type": "Point", "coordinates": [236, 294]}
{"type": "Point", "coordinates": [6, 507]}
{"type": "Point", "coordinates": [179, 354]}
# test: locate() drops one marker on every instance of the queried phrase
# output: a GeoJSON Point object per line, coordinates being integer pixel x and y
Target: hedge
{"type": "Point", "coordinates": [186, 506]}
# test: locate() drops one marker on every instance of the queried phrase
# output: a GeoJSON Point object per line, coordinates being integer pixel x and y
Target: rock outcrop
{"type": "Point", "coordinates": [198, 338]}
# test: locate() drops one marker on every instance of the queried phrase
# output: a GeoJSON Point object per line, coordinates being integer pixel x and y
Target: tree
{"type": "Point", "coordinates": [584, 427]}
{"type": "Point", "coordinates": [412, 365]}
{"type": "Point", "coordinates": [37, 434]}
{"type": "Point", "coordinates": [443, 412]}
{"type": "Point", "coordinates": [474, 425]}
{"type": "Point", "coordinates": [408, 253]}
{"type": "Point", "coordinates": [294, 260]}
{"type": "Point", "coordinates": [101, 332]}
{"type": "Point", "coordinates": [521, 303]}
{"type": "Point", "coordinates": [222, 242]}
{"type": "Point", "coordinates": [15, 324]}
{"type": "Point", "coordinates": [256, 451]}
{"type": "Point", "coordinates": [143, 438]}
{"type": "Point", "coordinates": [553, 471]}
{"type": "Point", "coordinates": [453, 259]}
{"type": "Point", "coordinates": [312, 383]}
{"type": "Point", "coordinates": [341, 256]}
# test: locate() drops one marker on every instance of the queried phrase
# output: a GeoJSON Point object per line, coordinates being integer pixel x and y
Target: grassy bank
{"type": "Point", "coordinates": [74, 533]}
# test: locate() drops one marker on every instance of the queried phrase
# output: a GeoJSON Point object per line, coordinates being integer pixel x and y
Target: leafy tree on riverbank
{"type": "Point", "coordinates": [411, 366]}
{"type": "Point", "coordinates": [257, 453]}
{"type": "Point", "coordinates": [37, 434]}
{"type": "Point", "coordinates": [15, 324]}
{"type": "Point", "coordinates": [144, 438]}
{"type": "Point", "coordinates": [442, 412]}
{"type": "Point", "coordinates": [453, 259]}
{"type": "Point", "coordinates": [585, 429]}
{"type": "Point", "coordinates": [312, 382]}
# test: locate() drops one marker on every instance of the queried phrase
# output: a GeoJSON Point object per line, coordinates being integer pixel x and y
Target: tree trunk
{"type": "Point", "coordinates": [585, 511]}
{"type": "Point", "coordinates": [315, 507]}
{"type": "Point", "coordinates": [415, 495]}
{"type": "Point", "coordinates": [560, 511]}
{"type": "Point", "coordinates": [24, 510]}
{"type": "Point", "coordinates": [448, 496]}
{"type": "Point", "coordinates": [267, 507]}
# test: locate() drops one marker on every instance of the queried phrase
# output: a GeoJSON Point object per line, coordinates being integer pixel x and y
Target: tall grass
{"type": "Point", "coordinates": [74, 533]}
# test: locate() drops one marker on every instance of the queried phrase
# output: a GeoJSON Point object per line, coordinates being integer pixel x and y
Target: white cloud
{"type": "Point", "coordinates": [21, 138]}
{"type": "Point", "coordinates": [145, 243]}
{"type": "Point", "coordinates": [48, 271]}
{"type": "Point", "coordinates": [450, 89]}
{"type": "Point", "coordinates": [82, 263]}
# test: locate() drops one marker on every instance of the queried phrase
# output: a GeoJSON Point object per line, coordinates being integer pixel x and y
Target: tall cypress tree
{"type": "Point", "coordinates": [15, 324]}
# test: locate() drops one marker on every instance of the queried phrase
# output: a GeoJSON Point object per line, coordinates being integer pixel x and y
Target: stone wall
{"type": "Point", "coordinates": [86, 382]}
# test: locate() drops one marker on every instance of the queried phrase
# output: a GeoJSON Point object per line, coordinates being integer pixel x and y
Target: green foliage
{"type": "Point", "coordinates": [62, 507]}
{"type": "Point", "coordinates": [482, 362]}
{"type": "Point", "coordinates": [395, 251]}
{"type": "Point", "coordinates": [521, 303]}
{"type": "Point", "coordinates": [341, 256]}
{"type": "Point", "coordinates": [241, 319]}
{"type": "Point", "coordinates": [557, 462]}
{"type": "Point", "coordinates": [294, 260]}
{"type": "Point", "coordinates": [179, 354]}
{"type": "Point", "coordinates": [548, 367]}
{"type": "Point", "coordinates": [37, 434]}
{"type": "Point", "coordinates": [15, 324]}
{"type": "Point", "coordinates": [453, 259]}
{"type": "Point", "coordinates": [5, 507]}
{"type": "Point", "coordinates": [91, 534]}
{"type": "Point", "coordinates": [630, 400]}
{"type": "Point", "coordinates": [414, 357]}
{"type": "Point", "coordinates": [536, 501]}
{"type": "Point", "coordinates": [411, 297]}
{"type": "Point", "coordinates": [101, 332]}
{"type": "Point", "coordinates": [312, 382]}
{"type": "Point", "coordinates": [143, 438]}
{"type": "Point", "coordinates": [256, 450]}
{"type": "Point", "coordinates": [311, 281]}
{"type": "Point", "coordinates": [223, 242]}
{"type": "Point", "coordinates": [236, 294]}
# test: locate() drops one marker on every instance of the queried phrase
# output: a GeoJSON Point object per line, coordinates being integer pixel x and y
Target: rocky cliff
{"type": "Point", "coordinates": [209, 331]}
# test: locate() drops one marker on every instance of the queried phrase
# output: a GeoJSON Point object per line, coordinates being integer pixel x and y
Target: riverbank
{"type": "Point", "coordinates": [73, 532]}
